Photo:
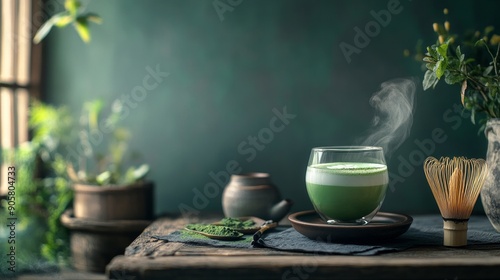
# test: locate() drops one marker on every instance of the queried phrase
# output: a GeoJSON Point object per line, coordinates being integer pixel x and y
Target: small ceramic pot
{"type": "Point", "coordinates": [253, 194]}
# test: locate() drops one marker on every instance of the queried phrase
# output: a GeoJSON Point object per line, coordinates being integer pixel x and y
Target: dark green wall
{"type": "Point", "coordinates": [226, 77]}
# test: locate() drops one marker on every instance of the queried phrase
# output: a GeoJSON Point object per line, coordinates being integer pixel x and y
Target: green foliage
{"type": "Point", "coordinates": [59, 195]}
{"type": "Point", "coordinates": [470, 61]}
{"type": "Point", "coordinates": [73, 14]}
{"type": "Point", "coordinates": [50, 127]}
{"type": "Point", "coordinates": [23, 158]}
{"type": "Point", "coordinates": [30, 233]}
{"type": "Point", "coordinates": [108, 165]}
{"type": "Point", "coordinates": [43, 172]}
{"type": "Point", "coordinates": [41, 201]}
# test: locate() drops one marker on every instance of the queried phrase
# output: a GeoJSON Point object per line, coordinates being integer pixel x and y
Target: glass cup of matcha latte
{"type": "Point", "coordinates": [347, 184]}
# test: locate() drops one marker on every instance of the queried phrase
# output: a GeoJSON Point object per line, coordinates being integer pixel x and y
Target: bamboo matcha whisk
{"type": "Point", "coordinates": [455, 184]}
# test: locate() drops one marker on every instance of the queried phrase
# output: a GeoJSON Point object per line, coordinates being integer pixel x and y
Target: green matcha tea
{"type": "Point", "coordinates": [346, 191]}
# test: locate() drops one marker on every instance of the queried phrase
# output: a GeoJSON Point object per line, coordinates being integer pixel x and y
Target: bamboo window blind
{"type": "Point", "coordinates": [20, 63]}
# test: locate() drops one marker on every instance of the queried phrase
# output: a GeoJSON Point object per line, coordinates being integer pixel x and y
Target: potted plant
{"type": "Point", "coordinates": [45, 168]}
{"type": "Point", "coordinates": [472, 62]}
{"type": "Point", "coordinates": [123, 188]}
{"type": "Point", "coordinates": [112, 204]}
{"type": "Point", "coordinates": [103, 188]}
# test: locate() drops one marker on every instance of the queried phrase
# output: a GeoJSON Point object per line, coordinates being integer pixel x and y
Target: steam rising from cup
{"type": "Point", "coordinates": [393, 118]}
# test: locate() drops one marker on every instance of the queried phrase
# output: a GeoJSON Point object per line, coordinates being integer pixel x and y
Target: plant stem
{"type": "Point", "coordinates": [476, 85]}
{"type": "Point", "coordinates": [493, 57]}
{"type": "Point", "coordinates": [480, 88]}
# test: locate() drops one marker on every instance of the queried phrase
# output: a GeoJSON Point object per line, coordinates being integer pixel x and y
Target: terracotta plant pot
{"type": "Point", "coordinates": [105, 203]}
{"type": "Point", "coordinates": [95, 243]}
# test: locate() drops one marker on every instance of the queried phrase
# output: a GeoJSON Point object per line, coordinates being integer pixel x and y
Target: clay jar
{"type": "Point", "coordinates": [253, 194]}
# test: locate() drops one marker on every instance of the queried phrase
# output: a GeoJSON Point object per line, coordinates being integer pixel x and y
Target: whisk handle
{"type": "Point", "coordinates": [455, 232]}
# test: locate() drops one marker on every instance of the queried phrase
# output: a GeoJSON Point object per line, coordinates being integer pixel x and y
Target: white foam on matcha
{"type": "Point", "coordinates": [348, 174]}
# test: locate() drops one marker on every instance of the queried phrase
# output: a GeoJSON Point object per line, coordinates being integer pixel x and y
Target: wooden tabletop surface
{"type": "Point", "coordinates": [150, 258]}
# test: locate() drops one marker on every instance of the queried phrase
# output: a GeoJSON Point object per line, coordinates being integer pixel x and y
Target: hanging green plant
{"type": "Point", "coordinates": [72, 15]}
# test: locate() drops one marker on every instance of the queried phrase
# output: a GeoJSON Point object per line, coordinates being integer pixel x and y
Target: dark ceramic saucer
{"type": "Point", "coordinates": [383, 226]}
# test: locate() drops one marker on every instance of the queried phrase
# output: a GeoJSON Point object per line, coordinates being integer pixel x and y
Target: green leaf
{"type": "Point", "coordinates": [487, 70]}
{"type": "Point", "coordinates": [133, 175]}
{"type": "Point", "coordinates": [72, 6]}
{"type": "Point", "coordinates": [452, 79]}
{"type": "Point", "coordinates": [430, 66]}
{"type": "Point", "coordinates": [453, 64]}
{"type": "Point", "coordinates": [467, 103]}
{"type": "Point", "coordinates": [64, 20]}
{"type": "Point", "coordinates": [431, 51]}
{"type": "Point", "coordinates": [459, 52]}
{"type": "Point", "coordinates": [94, 109]}
{"type": "Point", "coordinates": [141, 172]}
{"type": "Point", "coordinates": [469, 60]}
{"type": "Point", "coordinates": [440, 68]}
{"type": "Point", "coordinates": [428, 59]}
{"type": "Point", "coordinates": [460, 55]}
{"type": "Point", "coordinates": [81, 26]}
{"type": "Point", "coordinates": [47, 26]}
{"type": "Point", "coordinates": [103, 178]}
{"type": "Point", "coordinates": [430, 80]}
{"type": "Point", "coordinates": [128, 177]}
{"type": "Point", "coordinates": [443, 49]}
{"type": "Point", "coordinates": [93, 18]}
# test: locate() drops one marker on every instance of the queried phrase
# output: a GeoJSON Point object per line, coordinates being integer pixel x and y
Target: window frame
{"type": "Point", "coordinates": [20, 73]}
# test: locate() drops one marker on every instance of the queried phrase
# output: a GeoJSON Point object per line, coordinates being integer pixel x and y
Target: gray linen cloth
{"type": "Point", "coordinates": [425, 231]}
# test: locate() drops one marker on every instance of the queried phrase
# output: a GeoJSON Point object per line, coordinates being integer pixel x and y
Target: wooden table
{"type": "Point", "coordinates": [149, 258]}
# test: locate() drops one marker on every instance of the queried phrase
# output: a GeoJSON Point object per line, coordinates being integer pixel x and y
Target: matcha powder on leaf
{"type": "Point", "coordinates": [236, 223]}
{"type": "Point", "coordinates": [214, 230]}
